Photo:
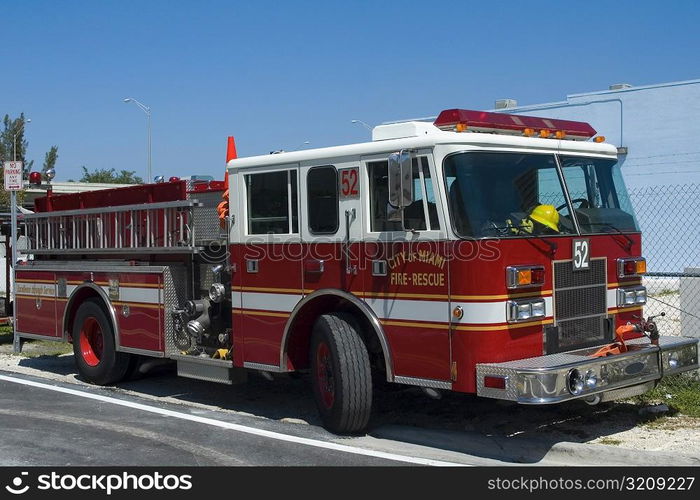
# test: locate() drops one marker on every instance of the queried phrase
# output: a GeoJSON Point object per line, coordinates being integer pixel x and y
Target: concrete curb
{"type": "Point", "coordinates": [532, 451]}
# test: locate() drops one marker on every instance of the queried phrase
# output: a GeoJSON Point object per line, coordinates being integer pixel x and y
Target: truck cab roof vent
{"type": "Point", "coordinates": [402, 130]}
{"type": "Point", "coordinates": [506, 103]}
{"type": "Point", "coordinates": [620, 86]}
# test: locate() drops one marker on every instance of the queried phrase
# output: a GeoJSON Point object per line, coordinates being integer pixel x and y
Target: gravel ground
{"type": "Point", "coordinates": [289, 399]}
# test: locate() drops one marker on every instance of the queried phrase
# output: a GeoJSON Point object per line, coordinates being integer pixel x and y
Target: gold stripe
{"type": "Point", "coordinates": [399, 295]}
{"type": "Point", "coordinates": [504, 327]}
{"type": "Point", "coordinates": [261, 313]}
{"type": "Point", "coordinates": [27, 296]}
{"type": "Point", "coordinates": [624, 309]}
{"type": "Point", "coordinates": [470, 328]}
{"type": "Point", "coordinates": [140, 285]}
{"type": "Point", "coordinates": [297, 291]}
{"type": "Point", "coordinates": [51, 282]}
{"type": "Point", "coordinates": [623, 283]}
{"type": "Point", "coordinates": [138, 304]}
{"type": "Point", "coordinates": [414, 324]}
{"type": "Point", "coordinates": [121, 284]}
{"type": "Point", "coordinates": [543, 293]}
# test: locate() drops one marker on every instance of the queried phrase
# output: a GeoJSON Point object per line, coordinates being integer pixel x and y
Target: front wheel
{"type": "Point", "coordinates": [341, 374]}
{"type": "Point", "coordinates": [94, 347]}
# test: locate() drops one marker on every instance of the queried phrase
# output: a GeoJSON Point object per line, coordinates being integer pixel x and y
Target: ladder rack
{"type": "Point", "coordinates": [166, 227]}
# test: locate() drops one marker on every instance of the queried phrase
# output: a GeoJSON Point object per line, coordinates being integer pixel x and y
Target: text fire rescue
{"type": "Point", "coordinates": [417, 279]}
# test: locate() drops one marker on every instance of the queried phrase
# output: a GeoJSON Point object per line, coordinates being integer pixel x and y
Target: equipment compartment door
{"type": "Point", "coordinates": [36, 303]}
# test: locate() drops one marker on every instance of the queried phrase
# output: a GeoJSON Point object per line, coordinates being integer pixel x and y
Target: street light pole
{"type": "Point", "coordinates": [13, 236]}
{"type": "Point", "coordinates": [146, 110]}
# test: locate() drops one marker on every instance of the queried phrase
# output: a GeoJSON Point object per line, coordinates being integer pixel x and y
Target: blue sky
{"type": "Point", "coordinates": [277, 74]}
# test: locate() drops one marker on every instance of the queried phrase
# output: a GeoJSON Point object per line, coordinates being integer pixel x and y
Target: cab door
{"type": "Point", "coordinates": [406, 272]}
{"type": "Point", "coordinates": [269, 276]}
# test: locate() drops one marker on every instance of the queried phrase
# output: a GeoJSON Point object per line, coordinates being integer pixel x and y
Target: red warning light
{"type": "Point", "coordinates": [484, 121]}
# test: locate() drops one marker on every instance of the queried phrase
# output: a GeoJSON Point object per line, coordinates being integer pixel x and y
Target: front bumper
{"type": "Point", "coordinates": [543, 380]}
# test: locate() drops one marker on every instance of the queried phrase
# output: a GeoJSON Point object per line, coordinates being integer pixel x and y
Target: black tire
{"type": "Point", "coordinates": [341, 374]}
{"type": "Point", "coordinates": [97, 362]}
{"type": "Point", "coordinates": [132, 372]}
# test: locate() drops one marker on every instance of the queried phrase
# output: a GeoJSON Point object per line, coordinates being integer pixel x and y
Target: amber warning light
{"type": "Point", "coordinates": [462, 120]}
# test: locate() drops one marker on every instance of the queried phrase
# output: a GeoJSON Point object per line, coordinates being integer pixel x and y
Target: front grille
{"type": "Point", "coordinates": [577, 302]}
{"type": "Point", "coordinates": [582, 332]}
{"type": "Point", "coordinates": [580, 307]}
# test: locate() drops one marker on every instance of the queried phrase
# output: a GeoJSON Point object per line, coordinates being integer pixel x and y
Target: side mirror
{"type": "Point", "coordinates": [400, 177]}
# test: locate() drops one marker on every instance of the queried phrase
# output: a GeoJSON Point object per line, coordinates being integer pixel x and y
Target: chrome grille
{"type": "Point", "coordinates": [581, 332]}
{"type": "Point", "coordinates": [580, 307]}
{"type": "Point", "coordinates": [577, 302]}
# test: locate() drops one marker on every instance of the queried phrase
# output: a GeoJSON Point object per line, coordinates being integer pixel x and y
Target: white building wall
{"type": "Point", "coordinates": [658, 124]}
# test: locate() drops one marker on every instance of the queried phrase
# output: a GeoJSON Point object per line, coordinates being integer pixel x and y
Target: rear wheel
{"type": "Point", "coordinates": [341, 374]}
{"type": "Point", "coordinates": [94, 347]}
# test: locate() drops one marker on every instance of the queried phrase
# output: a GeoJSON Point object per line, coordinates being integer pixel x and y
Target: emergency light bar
{"type": "Point", "coordinates": [462, 120]}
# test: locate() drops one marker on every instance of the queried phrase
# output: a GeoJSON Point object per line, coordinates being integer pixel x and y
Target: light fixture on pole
{"type": "Point", "coordinates": [146, 110]}
{"type": "Point", "coordinates": [362, 123]}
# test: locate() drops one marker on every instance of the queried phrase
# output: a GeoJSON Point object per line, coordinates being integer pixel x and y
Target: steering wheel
{"type": "Point", "coordinates": [583, 203]}
{"type": "Point", "coordinates": [493, 228]}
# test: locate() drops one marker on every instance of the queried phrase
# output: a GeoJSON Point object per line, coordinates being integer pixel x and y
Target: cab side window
{"type": "Point", "coordinates": [272, 202]}
{"type": "Point", "coordinates": [420, 215]}
{"type": "Point", "coordinates": [322, 193]}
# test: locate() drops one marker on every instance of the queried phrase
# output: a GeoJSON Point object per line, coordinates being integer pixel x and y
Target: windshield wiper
{"type": "Point", "coordinates": [630, 241]}
{"type": "Point", "coordinates": [504, 230]}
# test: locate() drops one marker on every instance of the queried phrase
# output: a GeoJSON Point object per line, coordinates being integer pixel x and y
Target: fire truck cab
{"type": "Point", "coordinates": [481, 253]}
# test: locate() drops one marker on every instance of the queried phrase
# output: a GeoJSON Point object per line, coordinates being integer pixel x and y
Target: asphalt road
{"type": "Point", "coordinates": [48, 423]}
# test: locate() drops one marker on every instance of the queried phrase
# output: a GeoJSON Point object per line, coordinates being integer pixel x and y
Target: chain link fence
{"type": "Point", "coordinates": [669, 217]}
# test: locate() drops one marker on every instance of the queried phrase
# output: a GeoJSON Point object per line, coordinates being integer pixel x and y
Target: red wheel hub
{"type": "Point", "coordinates": [324, 375]}
{"type": "Point", "coordinates": [91, 341]}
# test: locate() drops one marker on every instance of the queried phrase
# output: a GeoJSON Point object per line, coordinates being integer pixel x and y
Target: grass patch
{"type": "Point", "coordinates": [37, 348]}
{"type": "Point", "coordinates": [6, 334]}
{"type": "Point", "coordinates": [610, 441]}
{"type": "Point", "coordinates": [680, 392]}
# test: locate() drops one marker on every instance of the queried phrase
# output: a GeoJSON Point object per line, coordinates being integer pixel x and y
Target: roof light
{"type": "Point", "coordinates": [35, 178]}
{"type": "Point", "coordinates": [544, 133]}
{"type": "Point", "coordinates": [461, 127]}
{"type": "Point", "coordinates": [504, 123]}
{"type": "Point", "coordinates": [560, 134]}
{"type": "Point", "coordinates": [600, 138]}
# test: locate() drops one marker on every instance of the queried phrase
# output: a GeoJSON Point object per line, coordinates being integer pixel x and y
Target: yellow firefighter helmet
{"type": "Point", "coordinates": [546, 215]}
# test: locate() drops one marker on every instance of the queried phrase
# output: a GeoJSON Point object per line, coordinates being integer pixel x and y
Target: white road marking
{"type": "Point", "coordinates": [236, 427]}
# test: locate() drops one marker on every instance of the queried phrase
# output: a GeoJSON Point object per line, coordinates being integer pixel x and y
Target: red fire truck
{"type": "Point", "coordinates": [482, 253]}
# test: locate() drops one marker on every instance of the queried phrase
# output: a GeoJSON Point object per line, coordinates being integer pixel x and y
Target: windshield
{"type": "Point", "coordinates": [598, 195]}
{"type": "Point", "coordinates": [497, 194]}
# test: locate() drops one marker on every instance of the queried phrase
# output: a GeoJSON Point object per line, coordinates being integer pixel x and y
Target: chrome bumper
{"type": "Point", "coordinates": [543, 380]}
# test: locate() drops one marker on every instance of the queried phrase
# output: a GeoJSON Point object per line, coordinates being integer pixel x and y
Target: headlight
{"type": "Point", "coordinates": [591, 379]}
{"type": "Point", "coordinates": [575, 382]}
{"type": "Point", "coordinates": [523, 310]}
{"type": "Point", "coordinates": [673, 360]}
{"type": "Point", "coordinates": [634, 296]}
